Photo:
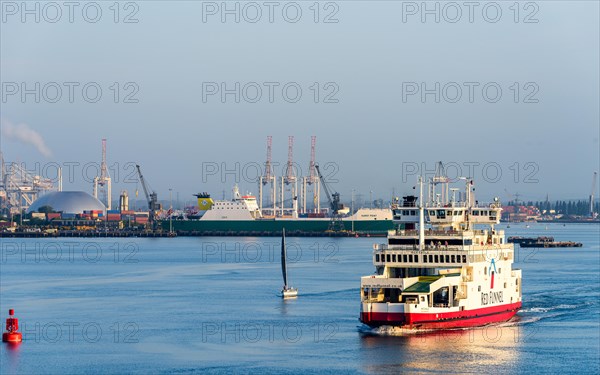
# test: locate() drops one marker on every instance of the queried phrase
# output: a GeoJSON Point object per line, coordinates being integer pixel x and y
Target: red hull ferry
{"type": "Point", "coordinates": [447, 267]}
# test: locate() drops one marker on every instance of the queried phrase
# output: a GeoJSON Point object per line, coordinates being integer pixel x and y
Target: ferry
{"type": "Point", "coordinates": [242, 216]}
{"type": "Point", "coordinates": [448, 267]}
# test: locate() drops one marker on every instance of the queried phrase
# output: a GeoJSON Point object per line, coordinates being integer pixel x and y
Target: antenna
{"type": "Point", "coordinates": [103, 168]}
{"type": "Point", "coordinates": [103, 180]}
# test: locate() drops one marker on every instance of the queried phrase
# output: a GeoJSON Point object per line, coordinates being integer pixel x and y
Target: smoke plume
{"type": "Point", "coordinates": [24, 134]}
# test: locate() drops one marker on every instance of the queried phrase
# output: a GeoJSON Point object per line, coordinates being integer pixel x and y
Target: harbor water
{"type": "Point", "coordinates": [211, 305]}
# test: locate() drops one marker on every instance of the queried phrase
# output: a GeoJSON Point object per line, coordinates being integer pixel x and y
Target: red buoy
{"type": "Point", "coordinates": [12, 328]}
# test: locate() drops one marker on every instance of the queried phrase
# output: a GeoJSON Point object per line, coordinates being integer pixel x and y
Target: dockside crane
{"type": "Point", "coordinates": [594, 179]}
{"type": "Point", "coordinates": [151, 198]}
{"type": "Point", "coordinates": [334, 204]}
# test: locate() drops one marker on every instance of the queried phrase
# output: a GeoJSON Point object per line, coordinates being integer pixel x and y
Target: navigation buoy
{"type": "Point", "coordinates": [12, 327]}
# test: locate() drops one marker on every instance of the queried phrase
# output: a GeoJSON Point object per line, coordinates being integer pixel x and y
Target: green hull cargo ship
{"type": "Point", "coordinates": [242, 216]}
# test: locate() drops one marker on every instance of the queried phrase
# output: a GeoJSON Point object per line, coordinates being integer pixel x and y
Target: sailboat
{"type": "Point", "coordinates": [287, 291]}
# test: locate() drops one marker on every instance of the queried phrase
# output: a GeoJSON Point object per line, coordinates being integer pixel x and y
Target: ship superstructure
{"type": "Point", "coordinates": [448, 268]}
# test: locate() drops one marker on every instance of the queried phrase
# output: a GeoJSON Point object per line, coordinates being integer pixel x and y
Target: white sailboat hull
{"type": "Point", "coordinates": [289, 293]}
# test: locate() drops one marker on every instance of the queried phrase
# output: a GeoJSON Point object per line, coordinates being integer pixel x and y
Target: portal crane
{"type": "Point", "coordinates": [334, 204]}
{"type": "Point", "coordinates": [151, 198]}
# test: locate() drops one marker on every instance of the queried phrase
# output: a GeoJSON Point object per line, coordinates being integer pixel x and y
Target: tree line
{"type": "Point", "coordinates": [579, 207]}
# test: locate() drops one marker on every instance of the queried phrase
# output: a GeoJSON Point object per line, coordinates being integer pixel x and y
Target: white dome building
{"type": "Point", "coordinates": [67, 202]}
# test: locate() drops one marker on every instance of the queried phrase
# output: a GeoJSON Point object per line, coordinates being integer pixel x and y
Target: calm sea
{"type": "Point", "coordinates": [210, 305]}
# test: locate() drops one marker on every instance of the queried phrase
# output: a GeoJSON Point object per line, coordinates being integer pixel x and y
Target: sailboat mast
{"type": "Point", "coordinates": [283, 260]}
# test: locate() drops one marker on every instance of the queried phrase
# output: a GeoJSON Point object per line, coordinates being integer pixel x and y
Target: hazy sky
{"type": "Point", "coordinates": [375, 61]}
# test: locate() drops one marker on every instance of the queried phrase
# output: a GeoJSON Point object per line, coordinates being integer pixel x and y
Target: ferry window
{"type": "Point", "coordinates": [475, 213]}
{"type": "Point", "coordinates": [504, 285]}
{"type": "Point", "coordinates": [410, 259]}
{"type": "Point", "coordinates": [393, 257]}
{"type": "Point", "coordinates": [416, 258]}
{"type": "Point", "coordinates": [501, 240]}
{"type": "Point", "coordinates": [424, 258]}
{"type": "Point", "coordinates": [447, 258]}
{"type": "Point", "coordinates": [464, 259]}
{"type": "Point", "coordinates": [413, 212]}
{"type": "Point", "coordinates": [485, 270]}
{"type": "Point", "coordinates": [499, 270]}
{"type": "Point", "coordinates": [441, 214]}
{"type": "Point", "coordinates": [404, 258]}
{"type": "Point", "coordinates": [377, 257]}
{"type": "Point", "coordinates": [479, 288]}
{"type": "Point", "coordinates": [453, 259]}
{"type": "Point", "coordinates": [437, 259]}
{"type": "Point", "coordinates": [388, 256]}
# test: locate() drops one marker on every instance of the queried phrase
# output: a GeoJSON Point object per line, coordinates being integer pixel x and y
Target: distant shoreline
{"type": "Point", "coordinates": [554, 222]}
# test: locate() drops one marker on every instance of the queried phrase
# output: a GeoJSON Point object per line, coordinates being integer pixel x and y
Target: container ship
{"type": "Point", "coordinates": [456, 273]}
{"type": "Point", "coordinates": [242, 216]}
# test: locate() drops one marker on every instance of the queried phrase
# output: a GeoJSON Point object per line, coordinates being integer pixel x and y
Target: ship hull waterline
{"type": "Point", "coordinates": [448, 320]}
{"type": "Point", "coordinates": [274, 226]}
